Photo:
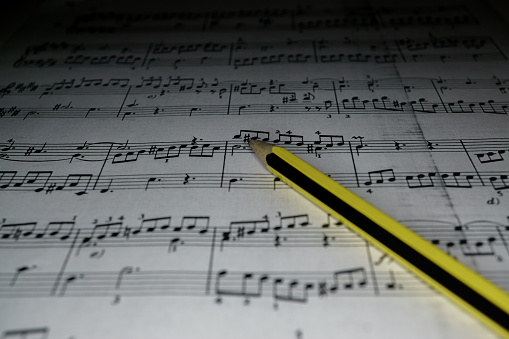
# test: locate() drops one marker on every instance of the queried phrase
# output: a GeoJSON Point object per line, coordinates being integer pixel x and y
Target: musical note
{"type": "Point", "coordinates": [63, 229]}
{"type": "Point", "coordinates": [501, 182]}
{"type": "Point", "coordinates": [200, 223]}
{"type": "Point", "coordinates": [17, 230]}
{"type": "Point", "coordinates": [456, 182]}
{"type": "Point", "coordinates": [420, 180]}
{"type": "Point", "coordinates": [124, 271]}
{"type": "Point", "coordinates": [392, 284]}
{"type": "Point", "coordinates": [6, 178]}
{"type": "Point", "coordinates": [490, 157]}
{"type": "Point", "coordinates": [381, 176]}
{"type": "Point", "coordinates": [292, 220]}
{"type": "Point", "coordinates": [68, 281]}
{"type": "Point", "coordinates": [20, 270]}
{"type": "Point", "coordinates": [348, 279]}
{"type": "Point", "coordinates": [102, 231]}
{"type": "Point", "coordinates": [152, 224]}
{"type": "Point", "coordinates": [128, 183]}
{"type": "Point", "coordinates": [27, 333]}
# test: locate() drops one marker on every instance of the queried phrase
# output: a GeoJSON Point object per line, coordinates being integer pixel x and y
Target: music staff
{"type": "Point", "coordinates": [484, 151]}
{"type": "Point", "coordinates": [242, 53]}
{"type": "Point", "coordinates": [159, 86]}
{"type": "Point", "coordinates": [348, 106]}
{"type": "Point", "coordinates": [471, 239]}
{"type": "Point", "coordinates": [280, 285]}
{"type": "Point", "coordinates": [151, 97]}
{"type": "Point", "coordinates": [74, 190]}
{"type": "Point", "coordinates": [299, 287]}
{"type": "Point", "coordinates": [26, 333]}
{"type": "Point", "coordinates": [84, 183]}
{"type": "Point", "coordinates": [293, 18]}
{"type": "Point", "coordinates": [486, 156]}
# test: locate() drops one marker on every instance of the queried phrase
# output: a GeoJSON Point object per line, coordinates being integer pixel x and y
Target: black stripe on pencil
{"type": "Point", "coordinates": [468, 289]}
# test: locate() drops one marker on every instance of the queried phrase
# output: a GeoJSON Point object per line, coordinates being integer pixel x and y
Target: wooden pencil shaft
{"type": "Point", "coordinates": [467, 288]}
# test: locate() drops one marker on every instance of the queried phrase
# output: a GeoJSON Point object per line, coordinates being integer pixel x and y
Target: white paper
{"type": "Point", "coordinates": [133, 207]}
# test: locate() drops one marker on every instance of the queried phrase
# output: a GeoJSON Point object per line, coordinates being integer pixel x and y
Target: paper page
{"type": "Point", "coordinates": [133, 207]}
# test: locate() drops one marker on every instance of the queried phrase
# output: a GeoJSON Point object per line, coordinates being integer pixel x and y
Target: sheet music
{"type": "Point", "coordinates": [133, 207]}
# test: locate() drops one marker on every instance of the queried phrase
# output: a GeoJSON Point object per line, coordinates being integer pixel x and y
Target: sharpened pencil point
{"type": "Point", "coordinates": [485, 300]}
{"type": "Point", "coordinates": [261, 149]}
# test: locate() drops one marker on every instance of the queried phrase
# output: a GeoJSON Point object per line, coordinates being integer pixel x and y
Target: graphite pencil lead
{"type": "Point", "coordinates": [483, 299]}
{"type": "Point", "coordinates": [261, 149]}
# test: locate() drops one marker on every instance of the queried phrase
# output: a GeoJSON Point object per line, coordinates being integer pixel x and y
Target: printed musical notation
{"type": "Point", "coordinates": [296, 18]}
{"type": "Point", "coordinates": [110, 157]}
{"type": "Point", "coordinates": [281, 286]}
{"type": "Point", "coordinates": [163, 97]}
{"type": "Point", "coordinates": [26, 333]}
{"type": "Point", "coordinates": [241, 53]}
{"type": "Point", "coordinates": [132, 205]}
{"type": "Point", "coordinates": [178, 84]}
{"type": "Point", "coordinates": [483, 150]}
{"type": "Point", "coordinates": [477, 238]}
{"type": "Point", "coordinates": [481, 239]}
{"type": "Point", "coordinates": [46, 181]}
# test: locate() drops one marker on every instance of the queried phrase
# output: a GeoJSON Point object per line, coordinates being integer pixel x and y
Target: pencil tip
{"type": "Point", "coordinates": [261, 149]}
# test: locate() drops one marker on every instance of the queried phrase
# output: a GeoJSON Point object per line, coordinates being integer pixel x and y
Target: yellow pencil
{"type": "Point", "coordinates": [468, 289]}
